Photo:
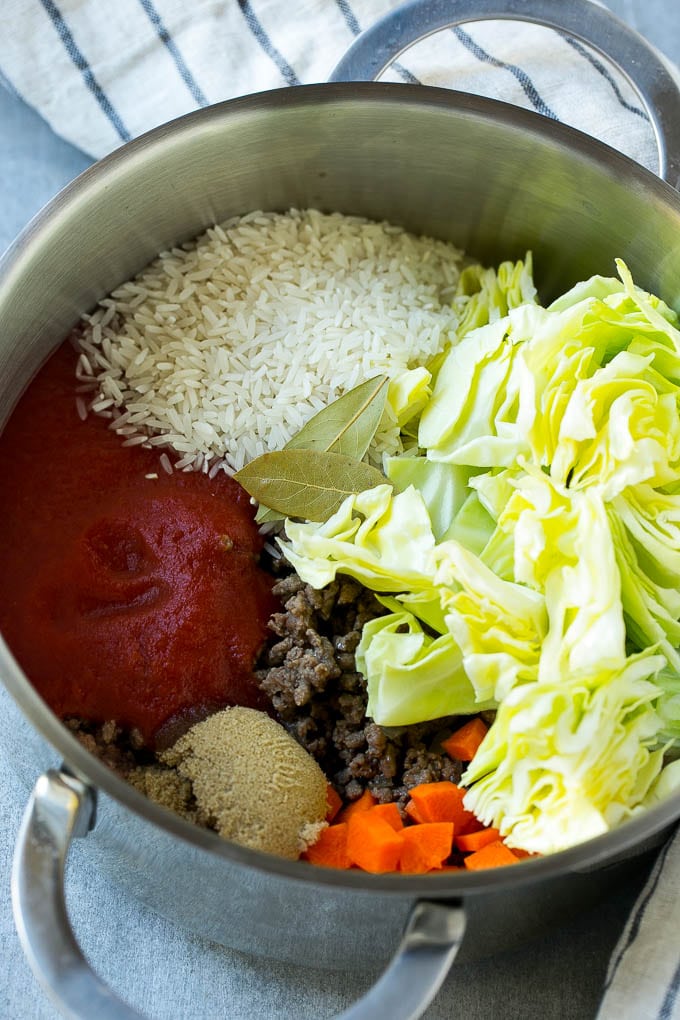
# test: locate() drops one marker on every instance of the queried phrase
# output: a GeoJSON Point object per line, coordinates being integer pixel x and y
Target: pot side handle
{"type": "Point", "coordinates": [62, 808]}
{"type": "Point", "coordinates": [587, 20]}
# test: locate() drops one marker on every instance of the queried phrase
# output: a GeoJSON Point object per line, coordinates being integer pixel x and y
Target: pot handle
{"type": "Point", "coordinates": [587, 20]}
{"type": "Point", "coordinates": [62, 808]}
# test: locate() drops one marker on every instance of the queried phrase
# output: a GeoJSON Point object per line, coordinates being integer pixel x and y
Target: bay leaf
{"type": "Point", "coordinates": [346, 426]}
{"type": "Point", "coordinates": [310, 484]}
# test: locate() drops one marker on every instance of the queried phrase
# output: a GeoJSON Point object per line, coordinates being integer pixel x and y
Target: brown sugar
{"type": "Point", "coordinates": [250, 781]}
{"type": "Point", "coordinates": [165, 787]}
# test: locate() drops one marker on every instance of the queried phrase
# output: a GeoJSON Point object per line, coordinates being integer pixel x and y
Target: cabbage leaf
{"type": "Point", "coordinates": [486, 295]}
{"type": "Point", "coordinates": [444, 487]}
{"type": "Point", "coordinates": [583, 597]}
{"type": "Point", "coordinates": [620, 427]}
{"type": "Point", "coordinates": [568, 757]}
{"type": "Point", "coordinates": [482, 405]}
{"type": "Point", "coordinates": [385, 541]}
{"type": "Point", "coordinates": [498, 626]}
{"type": "Point", "coordinates": [412, 676]}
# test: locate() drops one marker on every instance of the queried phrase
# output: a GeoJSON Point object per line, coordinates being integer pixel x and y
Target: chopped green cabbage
{"type": "Point", "coordinates": [408, 393]}
{"type": "Point", "coordinates": [498, 626]}
{"type": "Point", "coordinates": [568, 758]}
{"type": "Point", "coordinates": [443, 487]}
{"type": "Point", "coordinates": [482, 405]}
{"type": "Point", "coordinates": [383, 541]}
{"type": "Point", "coordinates": [485, 295]}
{"type": "Point", "coordinates": [666, 783]}
{"type": "Point", "coordinates": [651, 610]}
{"type": "Point", "coordinates": [668, 708]}
{"type": "Point", "coordinates": [583, 596]}
{"type": "Point", "coordinates": [409, 673]}
{"type": "Point", "coordinates": [620, 427]}
{"type": "Point", "coordinates": [528, 553]}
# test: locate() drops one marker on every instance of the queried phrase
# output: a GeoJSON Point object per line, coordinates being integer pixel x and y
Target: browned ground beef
{"type": "Point", "coordinates": [309, 672]}
{"type": "Point", "coordinates": [120, 749]}
{"type": "Point", "coordinates": [125, 753]}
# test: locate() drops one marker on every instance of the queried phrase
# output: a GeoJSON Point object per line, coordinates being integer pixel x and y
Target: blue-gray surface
{"type": "Point", "coordinates": [166, 972]}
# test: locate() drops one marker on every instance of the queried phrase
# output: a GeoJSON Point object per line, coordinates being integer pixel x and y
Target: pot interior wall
{"type": "Point", "coordinates": [495, 180]}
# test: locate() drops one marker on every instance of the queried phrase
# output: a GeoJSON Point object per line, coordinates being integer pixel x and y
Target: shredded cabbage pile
{"type": "Point", "coordinates": [526, 547]}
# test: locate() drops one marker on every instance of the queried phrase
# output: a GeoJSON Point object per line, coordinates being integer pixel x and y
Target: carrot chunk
{"type": "Point", "coordinates": [333, 802]}
{"type": "Point", "coordinates": [330, 849]}
{"type": "Point", "coordinates": [363, 803]}
{"type": "Point", "coordinates": [494, 855]}
{"type": "Point", "coordinates": [438, 802]}
{"type": "Point", "coordinates": [471, 841]}
{"type": "Point", "coordinates": [390, 813]}
{"type": "Point", "coordinates": [426, 847]}
{"type": "Point", "coordinates": [471, 824]}
{"type": "Point", "coordinates": [372, 843]}
{"type": "Point", "coordinates": [463, 744]}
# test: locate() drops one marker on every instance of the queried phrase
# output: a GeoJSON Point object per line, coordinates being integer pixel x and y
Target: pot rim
{"type": "Point", "coordinates": [90, 769]}
{"type": "Point", "coordinates": [478, 107]}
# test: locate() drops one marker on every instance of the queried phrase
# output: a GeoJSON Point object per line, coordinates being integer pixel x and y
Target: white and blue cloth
{"type": "Point", "coordinates": [103, 71]}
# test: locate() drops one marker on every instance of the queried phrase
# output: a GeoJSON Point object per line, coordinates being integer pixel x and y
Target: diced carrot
{"type": "Point", "coordinates": [333, 802]}
{"type": "Point", "coordinates": [469, 825]}
{"type": "Point", "coordinates": [471, 841]}
{"type": "Point", "coordinates": [426, 847]}
{"type": "Point", "coordinates": [494, 855]}
{"type": "Point", "coordinates": [463, 744]}
{"type": "Point", "coordinates": [391, 814]}
{"type": "Point", "coordinates": [330, 849]}
{"type": "Point", "coordinates": [372, 843]}
{"type": "Point", "coordinates": [438, 802]}
{"type": "Point", "coordinates": [363, 803]}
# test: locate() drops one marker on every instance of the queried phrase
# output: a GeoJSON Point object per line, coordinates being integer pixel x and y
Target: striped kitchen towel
{"type": "Point", "coordinates": [643, 981]}
{"type": "Point", "coordinates": [101, 72]}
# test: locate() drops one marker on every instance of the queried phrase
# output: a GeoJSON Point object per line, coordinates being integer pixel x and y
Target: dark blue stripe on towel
{"type": "Point", "coordinates": [81, 63]}
{"type": "Point", "coordinates": [349, 16]}
{"type": "Point", "coordinates": [355, 28]}
{"type": "Point", "coordinates": [641, 908]}
{"type": "Point", "coordinates": [171, 46]}
{"type": "Point", "coordinates": [602, 69]}
{"type": "Point", "coordinates": [406, 74]}
{"type": "Point", "coordinates": [668, 1004]}
{"type": "Point", "coordinates": [267, 45]}
{"type": "Point", "coordinates": [522, 77]}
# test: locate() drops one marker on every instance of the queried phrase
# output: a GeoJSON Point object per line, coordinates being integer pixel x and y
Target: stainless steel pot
{"type": "Point", "coordinates": [496, 181]}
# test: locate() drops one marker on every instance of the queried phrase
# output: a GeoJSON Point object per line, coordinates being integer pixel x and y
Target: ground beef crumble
{"type": "Point", "coordinates": [309, 673]}
{"type": "Point", "coordinates": [124, 752]}
{"type": "Point", "coordinates": [120, 749]}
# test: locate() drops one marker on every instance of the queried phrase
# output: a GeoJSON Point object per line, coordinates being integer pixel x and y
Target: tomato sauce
{"type": "Point", "coordinates": [129, 594]}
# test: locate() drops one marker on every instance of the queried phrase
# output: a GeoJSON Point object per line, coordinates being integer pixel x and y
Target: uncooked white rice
{"type": "Point", "coordinates": [223, 348]}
